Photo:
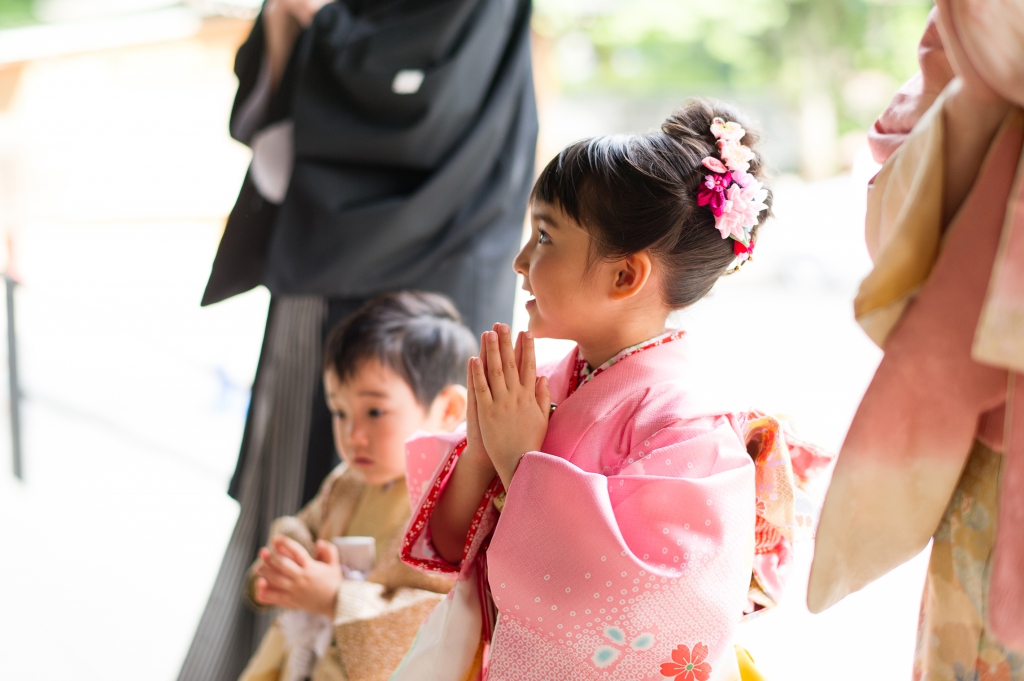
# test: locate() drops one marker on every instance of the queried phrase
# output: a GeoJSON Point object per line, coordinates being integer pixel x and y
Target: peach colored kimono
{"type": "Point", "coordinates": [922, 457]}
{"type": "Point", "coordinates": [632, 543]}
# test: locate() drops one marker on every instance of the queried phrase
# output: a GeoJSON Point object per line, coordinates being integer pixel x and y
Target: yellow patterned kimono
{"type": "Point", "coordinates": [953, 639]}
{"type": "Point", "coordinates": [375, 620]}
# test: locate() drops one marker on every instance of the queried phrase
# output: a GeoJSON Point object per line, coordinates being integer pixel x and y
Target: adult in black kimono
{"type": "Point", "coordinates": [393, 148]}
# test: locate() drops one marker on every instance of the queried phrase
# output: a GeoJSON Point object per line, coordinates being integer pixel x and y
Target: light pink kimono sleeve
{"type": "Point", "coordinates": [618, 570]}
{"type": "Point", "coordinates": [430, 460]}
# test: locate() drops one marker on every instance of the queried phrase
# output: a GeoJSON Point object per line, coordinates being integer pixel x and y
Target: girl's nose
{"type": "Point", "coordinates": [521, 264]}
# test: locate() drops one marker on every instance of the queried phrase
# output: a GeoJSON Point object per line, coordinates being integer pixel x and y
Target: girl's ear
{"type": "Point", "coordinates": [449, 407]}
{"type": "Point", "coordinates": [631, 275]}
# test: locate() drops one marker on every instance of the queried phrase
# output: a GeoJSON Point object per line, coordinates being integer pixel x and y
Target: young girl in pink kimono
{"type": "Point", "coordinates": [603, 518]}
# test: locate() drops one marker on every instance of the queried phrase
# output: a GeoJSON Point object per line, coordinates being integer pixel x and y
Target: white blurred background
{"type": "Point", "coordinates": [117, 173]}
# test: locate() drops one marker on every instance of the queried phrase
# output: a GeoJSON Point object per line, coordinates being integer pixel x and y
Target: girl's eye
{"type": "Point", "coordinates": [375, 413]}
{"type": "Point", "coordinates": [543, 238]}
{"type": "Point", "coordinates": [337, 415]}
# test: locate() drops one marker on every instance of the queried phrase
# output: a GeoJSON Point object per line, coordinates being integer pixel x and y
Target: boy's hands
{"type": "Point", "coordinates": [290, 578]}
{"type": "Point", "coordinates": [508, 405]}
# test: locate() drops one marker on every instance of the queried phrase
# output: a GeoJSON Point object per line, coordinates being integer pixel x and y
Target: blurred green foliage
{"type": "Point", "coordinates": [16, 13]}
{"type": "Point", "coordinates": [856, 51]}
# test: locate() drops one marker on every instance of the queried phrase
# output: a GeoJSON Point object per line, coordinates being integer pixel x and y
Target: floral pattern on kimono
{"type": "Point", "coordinates": [953, 642]}
{"type": "Point", "coordinates": [586, 373]}
{"type": "Point", "coordinates": [631, 533]}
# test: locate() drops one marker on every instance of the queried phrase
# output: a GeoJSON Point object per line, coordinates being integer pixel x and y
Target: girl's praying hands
{"type": "Point", "coordinates": [508, 404]}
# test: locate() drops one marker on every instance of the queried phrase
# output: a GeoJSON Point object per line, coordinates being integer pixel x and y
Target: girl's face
{"type": "Point", "coordinates": [554, 264]}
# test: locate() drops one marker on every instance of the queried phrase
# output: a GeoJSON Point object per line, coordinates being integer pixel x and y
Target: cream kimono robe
{"type": "Point", "coordinates": [625, 547]}
{"type": "Point", "coordinates": [375, 620]}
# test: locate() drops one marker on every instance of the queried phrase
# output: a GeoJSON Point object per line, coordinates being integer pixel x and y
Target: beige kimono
{"type": "Point", "coordinates": [375, 620]}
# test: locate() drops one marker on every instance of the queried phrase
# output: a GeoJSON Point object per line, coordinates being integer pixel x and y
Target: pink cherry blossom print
{"type": "Point", "coordinates": [686, 666]}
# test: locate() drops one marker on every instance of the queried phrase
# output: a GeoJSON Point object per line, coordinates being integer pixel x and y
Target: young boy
{"type": "Point", "coordinates": [396, 366]}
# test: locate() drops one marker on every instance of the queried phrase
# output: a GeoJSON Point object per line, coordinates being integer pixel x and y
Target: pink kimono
{"type": "Point", "coordinates": [626, 548]}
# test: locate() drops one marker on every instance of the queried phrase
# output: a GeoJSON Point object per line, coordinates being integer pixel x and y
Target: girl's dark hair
{"type": "Point", "coordinates": [639, 192]}
{"type": "Point", "coordinates": [420, 336]}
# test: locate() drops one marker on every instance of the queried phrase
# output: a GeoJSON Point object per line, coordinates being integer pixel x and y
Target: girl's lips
{"type": "Point", "coordinates": [532, 302]}
{"type": "Point", "coordinates": [362, 461]}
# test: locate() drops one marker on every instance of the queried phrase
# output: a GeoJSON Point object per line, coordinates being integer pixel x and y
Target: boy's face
{"type": "Point", "coordinates": [373, 413]}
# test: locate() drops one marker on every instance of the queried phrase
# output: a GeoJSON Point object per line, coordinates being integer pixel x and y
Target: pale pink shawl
{"type": "Point", "coordinates": [947, 305]}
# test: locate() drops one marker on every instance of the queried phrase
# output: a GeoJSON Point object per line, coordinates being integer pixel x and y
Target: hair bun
{"type": "Point", "coordinates": [638, 193]}
{"type": "Point", "coordinates": [690, 125]}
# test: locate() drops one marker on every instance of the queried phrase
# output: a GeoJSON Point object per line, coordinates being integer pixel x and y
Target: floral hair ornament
{"type": "Point", "coordinates": [733, 195]}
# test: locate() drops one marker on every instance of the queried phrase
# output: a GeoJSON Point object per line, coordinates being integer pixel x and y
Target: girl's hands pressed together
{"type": "Point", "coordinates": [473, 474]}
{"type": "Point", "coordinates": [476, 453]}
{"type": "Point", "coordinates": [510, 405]}
{"type": "Point", "coordinates": [290, 578]}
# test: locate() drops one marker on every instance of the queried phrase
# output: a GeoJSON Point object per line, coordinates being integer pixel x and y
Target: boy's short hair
{"type": "Point", "coordinates": [418, 335]}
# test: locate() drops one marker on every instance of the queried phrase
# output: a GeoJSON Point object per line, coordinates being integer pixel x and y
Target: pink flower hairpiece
{"type": "Point", "coordinates": [733, 195]}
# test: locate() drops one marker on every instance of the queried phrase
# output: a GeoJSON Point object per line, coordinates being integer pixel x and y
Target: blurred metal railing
{"type": "Point", "coordinates": [12, 376]}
